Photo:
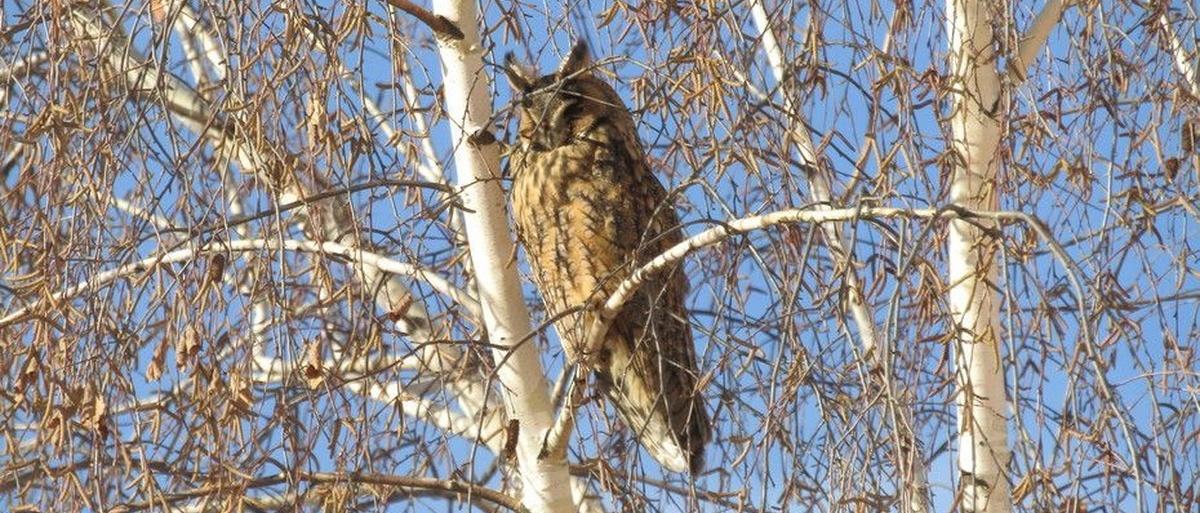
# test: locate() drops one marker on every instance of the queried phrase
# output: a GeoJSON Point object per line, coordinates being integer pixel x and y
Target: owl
{"type": "Point", "coordinates": [589, 211]}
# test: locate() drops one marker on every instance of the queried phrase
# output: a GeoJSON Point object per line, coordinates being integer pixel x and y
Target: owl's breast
{"type": "Point", "coordinates": [572, 203]}
{"type": "Point", "coordinates": [548, 181]}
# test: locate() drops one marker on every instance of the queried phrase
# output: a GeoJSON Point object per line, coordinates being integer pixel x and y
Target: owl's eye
{"type": "Point", "coordinates": [525, 103]}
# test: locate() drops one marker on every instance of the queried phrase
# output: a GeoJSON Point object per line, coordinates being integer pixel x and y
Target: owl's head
{"type": "Point", "coordinates": [559, 107]}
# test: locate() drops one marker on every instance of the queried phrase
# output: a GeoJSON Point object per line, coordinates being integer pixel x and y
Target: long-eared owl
{"type": "Point", "coordinates": [589, 211]}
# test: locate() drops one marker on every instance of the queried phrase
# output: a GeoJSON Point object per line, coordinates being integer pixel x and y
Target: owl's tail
{"type": "Point", "coordinates": [658, 401]}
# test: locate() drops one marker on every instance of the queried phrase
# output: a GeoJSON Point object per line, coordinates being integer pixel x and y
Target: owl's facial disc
{"type": "Point", "coordinates": [546, 119]}
{"type": "Point", "coordinates": [554, 107]}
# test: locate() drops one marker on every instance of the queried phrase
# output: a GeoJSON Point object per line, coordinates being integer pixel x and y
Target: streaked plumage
{"type": "Point", "coordinates": [589, 210]}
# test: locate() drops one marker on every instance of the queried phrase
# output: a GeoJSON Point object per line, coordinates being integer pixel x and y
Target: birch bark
{"type": "Point", "coordinates": [545, 482]}
{"type": "Point", "coordinates": [983, 452]}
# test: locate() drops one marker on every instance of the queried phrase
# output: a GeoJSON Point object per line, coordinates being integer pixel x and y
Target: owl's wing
{"type": "Point", "coordinates": [652, 373]}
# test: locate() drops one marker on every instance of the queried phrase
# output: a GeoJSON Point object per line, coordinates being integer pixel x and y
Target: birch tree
{"type": "Point", "coordinates": [255, 256]}
{"type": "Point", "coordinates": [983, 451]}
{"type": "Point", "coordinates": [545, 485]}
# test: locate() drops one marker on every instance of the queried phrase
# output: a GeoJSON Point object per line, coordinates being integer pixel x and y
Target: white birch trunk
{"type": "Point", "coordinates": [545, 482]}
{"type": "Point", "coordinates": [971, 260]}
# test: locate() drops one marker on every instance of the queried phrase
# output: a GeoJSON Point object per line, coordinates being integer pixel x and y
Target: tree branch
{"type": "Point", "coordinates": [1183, 62]}
{"type": "Point", "coordinates": [454, 486]}
{"type": "Point", "coordinates": [374, 260]}
{"type": "Point", "coordinates": [1035, 39]}
{"type": "Point", "coordinates": [712, 236]}
{"type": "Point", "coordinates": [439, 24]}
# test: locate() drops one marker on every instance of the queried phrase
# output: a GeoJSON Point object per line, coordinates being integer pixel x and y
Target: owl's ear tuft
{"type": "Point", "coordinates": [518, 75]}
{"type": "Point", "coordinates": [577, 62]}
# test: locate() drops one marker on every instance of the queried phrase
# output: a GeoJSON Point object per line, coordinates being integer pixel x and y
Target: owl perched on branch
{"type": "Point", "coordinates": [589, 211]}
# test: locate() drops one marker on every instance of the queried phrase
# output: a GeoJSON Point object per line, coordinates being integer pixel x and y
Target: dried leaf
{"type": "Point", "coordinates": [95, 412]}
{"type": "Point", "coordinates": [159, 10]}
{"type": "Point", "coordinates": [1171, 169]}
{"type": "Point", "coordinates": [216, 269]}
{"type": "Point", "coordinates": [187, 346]}
{"type": "Point", "coordinates": [158, 360]}
{"type": "Point", "coordinates": [1024, 486]}
{"type": "Point", "coordinates": [29, 371]}
{"type": "Point", "coordinates": [510, 442]}
{"type": "Point", "coordinates": [241, 397]}
{"type": "Point", "coordinates": [313, 373]}
{"type": "Point", "coordinates": [1188, 136]}
{"type": "Point", "coordinates": [1073, 505]}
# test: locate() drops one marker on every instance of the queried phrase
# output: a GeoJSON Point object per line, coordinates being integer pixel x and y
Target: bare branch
{"type": "Point", "coordinates": [1183, 61]}
{"type": "Point", "coordinates": [671, 257]}
{"type": "Point", "coordinates": [1035, 39]}
{"type": "Point", "coordinates": [441, 26]}
{"type": "Point", "coordinates": [376, 261]}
